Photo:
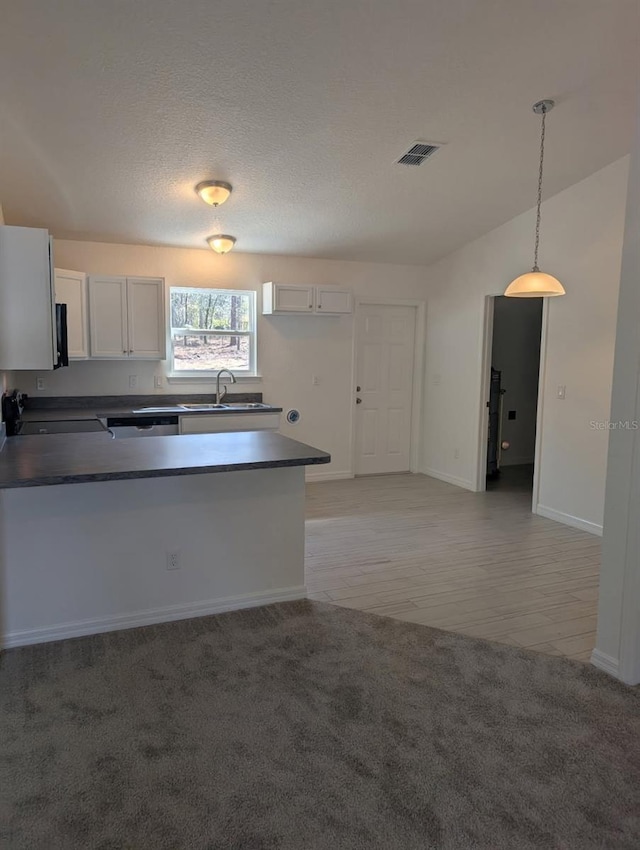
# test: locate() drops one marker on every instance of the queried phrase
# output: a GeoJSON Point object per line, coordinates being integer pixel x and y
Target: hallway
{"type": "Point", "coordinates": [418, 549]}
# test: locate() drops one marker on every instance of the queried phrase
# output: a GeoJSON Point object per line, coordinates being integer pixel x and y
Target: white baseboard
{"type": "Point", "coordinates": [567, 519]}
{"type": "Point", "coordinates": [606, 662]}
{"type": "Point", "coordinates": [450, 479]}
{"type": "Point", "coordinates": [153, 615]}
{"type": "Point", "coordinates": [312, 475]}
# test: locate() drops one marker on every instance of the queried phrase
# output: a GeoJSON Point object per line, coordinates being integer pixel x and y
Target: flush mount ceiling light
{"type": "Point", "coordinates": [221, 243]}
{"type": "Point", "coordinates": [537, 284]}
{"type": "Point", "coordinates": [214, 192]}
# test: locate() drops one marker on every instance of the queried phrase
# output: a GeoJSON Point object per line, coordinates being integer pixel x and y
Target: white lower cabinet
{"type": "Point", "coordinates": [71, 289]}
{"type": "Point", "coordinates": [216, 423]}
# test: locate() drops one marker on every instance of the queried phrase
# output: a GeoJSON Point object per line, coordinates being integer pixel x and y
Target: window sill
{"type": "Point", "coordinates": [211, 378]}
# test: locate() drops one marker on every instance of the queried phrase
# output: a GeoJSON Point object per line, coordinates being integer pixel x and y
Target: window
{"type": "Point", "coordinates": [212, 329]}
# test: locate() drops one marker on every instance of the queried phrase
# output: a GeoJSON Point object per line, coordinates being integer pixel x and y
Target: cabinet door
{"type": "Point", "coordinates": [218, 422]}
{"type": "Point", "coordinates": [108, 317]}
{"type": "Point", "coordinates": [293, 299]}
{"type": "Point", "coordinates": [145, 308]}
{"type": "Point", "coordinates": [71, 289]}
{"type": "Point", "coordinates": [27, 311]}
{"type": "Point", "coordinates": [333, 300]}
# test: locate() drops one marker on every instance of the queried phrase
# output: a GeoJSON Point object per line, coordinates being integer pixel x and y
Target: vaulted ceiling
{"type": "Point", "coordinates": [112, 111]}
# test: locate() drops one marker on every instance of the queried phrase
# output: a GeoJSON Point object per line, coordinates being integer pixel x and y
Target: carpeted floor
{"type": "Point", "coordinates": [302, 726]}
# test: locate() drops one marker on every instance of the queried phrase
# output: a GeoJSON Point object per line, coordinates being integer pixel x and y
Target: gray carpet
{"type": "Point", "coordinates": [302, 726]}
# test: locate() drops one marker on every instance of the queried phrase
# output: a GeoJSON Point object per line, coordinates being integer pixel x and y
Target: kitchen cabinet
{"type": "Point", "coordinates": [218, 422]}
{"type": "Point", "coordinates": [283, 299]}
{"type": "Point", "coordinates": [330, 299]}
{"type": "Point", "coordinates": [127, 318]}
{"type": "Point", "coordinates": [27, 300]}
{"type": "Point", "coordinates": [71, 289]}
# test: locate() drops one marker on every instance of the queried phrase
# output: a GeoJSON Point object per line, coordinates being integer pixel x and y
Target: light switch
{"type": "Point", "coordinates": [562, 391]}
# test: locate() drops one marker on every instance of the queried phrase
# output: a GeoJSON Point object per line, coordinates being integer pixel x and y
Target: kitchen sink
{"type": "Point", "coordinates": [204, 406]}
{"type": "Point", "coordinates": [243, 405]}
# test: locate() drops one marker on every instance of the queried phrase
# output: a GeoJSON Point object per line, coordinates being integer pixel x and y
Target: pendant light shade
{"type": "Point", "coordinates": [537, 284]}
{"type": "Point", "coordinates": [534, 285]}
{"type": "Point", "coordinates": [221, 243]}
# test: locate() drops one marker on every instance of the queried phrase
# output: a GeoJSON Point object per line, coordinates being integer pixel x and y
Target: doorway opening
{"type": "Point", "coordinates": [513, 382]}
{"type": "Point", "coordinates": [388, 342]}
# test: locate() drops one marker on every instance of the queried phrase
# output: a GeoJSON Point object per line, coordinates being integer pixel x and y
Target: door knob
{"type": "Point", "coordinates": [358, 401]}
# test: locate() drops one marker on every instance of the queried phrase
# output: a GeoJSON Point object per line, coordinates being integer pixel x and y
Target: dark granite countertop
{"type": "Point", "coordinates": [82, 408]}
{"type": "Point", "coordinates": [67, 414]}
{"type": "Point", "coordinates": [74, 459]}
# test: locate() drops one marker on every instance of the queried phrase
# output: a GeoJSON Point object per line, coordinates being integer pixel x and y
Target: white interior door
{"type": "Point", "coordinates": [385, 340]}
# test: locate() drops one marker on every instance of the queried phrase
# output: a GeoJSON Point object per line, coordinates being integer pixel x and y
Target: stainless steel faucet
{"type": "Point", "coordinates": [224, 388]}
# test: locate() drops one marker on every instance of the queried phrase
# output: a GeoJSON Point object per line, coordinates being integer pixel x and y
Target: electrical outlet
{"type": "Point", "coordinates": [562, 391]}
{"type": "Point", "coordinates": [437, 380]}
{"type": "Point", "coordinates": [133, 382]}
{"type": "Point", "coordinates": [456, 454]}
{"type": "Point", "coordinates": [173, 560]}
{"type": "Point", "coordinates": [157, 382]}
{"type": "Point", "coordinates": [315, 380]}
{"type": "Point", "coordinates": [39, 383]}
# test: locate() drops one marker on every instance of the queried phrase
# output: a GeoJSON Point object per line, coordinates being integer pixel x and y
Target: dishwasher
{"type": "Point", "coordinates": [142, 426]}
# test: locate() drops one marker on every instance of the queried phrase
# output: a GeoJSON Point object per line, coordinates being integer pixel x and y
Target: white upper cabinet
{"type": "Point", "coordinates": [27, 304]}
{"type": "Point", "coordinates": [145, 310]}
{"type": "Point", "coordinates": [127, 317]}
{"type": "Point", "coordinates": [282, 299]}
{"type": "Point", "coordinates": [71, 289]}
{"type": "Point", "coordinates": [108, 317]}
{"type": "Point", "coordinates": [330, 299]}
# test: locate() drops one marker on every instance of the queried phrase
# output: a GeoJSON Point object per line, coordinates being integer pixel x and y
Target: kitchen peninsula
{"type": "Point", "coordinates": [100, 534]}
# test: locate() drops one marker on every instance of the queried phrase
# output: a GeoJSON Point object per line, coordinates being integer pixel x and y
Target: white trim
{"type": "Point", "coordinates": [568, 519]}
{"type": "Point", "coordinates": [451, 479]}
{"type": "Point", "coordinates": [606, 662]}
{"type": "Point", "coordinates": [417, 390]}
{"type": "Point", "coordinates": [208, 378]}
{"type": "Point", "coordinates": [166, 614]}
{"type": "Point", "coordinates": [542, 379]}
{"type": "Point", "coordinates": [486, 350]}
{"type": "Point", "coordinates": [327, 476]}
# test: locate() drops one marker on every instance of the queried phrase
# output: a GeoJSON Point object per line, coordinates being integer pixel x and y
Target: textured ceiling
{"type": "Point", "coordinates": [112, 111]}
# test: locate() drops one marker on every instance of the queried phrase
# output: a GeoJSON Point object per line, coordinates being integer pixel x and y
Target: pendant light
{"type": "Point", "coordinates": [537, 284]}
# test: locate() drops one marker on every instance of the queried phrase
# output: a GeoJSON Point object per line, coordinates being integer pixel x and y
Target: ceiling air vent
{"type": "Point", "coordinates": [418, 153]}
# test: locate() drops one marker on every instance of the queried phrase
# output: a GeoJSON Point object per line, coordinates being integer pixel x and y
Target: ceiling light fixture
{"type": "Point", "coordinates": [221, 243]}
{"type": "Point", "coordinates": [214, 192]}
{"type": "Point", "coordinates": [537, 284]}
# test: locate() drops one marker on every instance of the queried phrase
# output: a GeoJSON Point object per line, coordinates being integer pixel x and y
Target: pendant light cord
{"type": "Point", "coordinates": [535, 253]}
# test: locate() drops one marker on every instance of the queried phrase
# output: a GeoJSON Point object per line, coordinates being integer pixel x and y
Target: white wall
{"type": "Point", "coordinates": [618, 640]}
{"type": "Point", "coordinates": [517, 324]}
{"type": "Point", "coordinates": [291, 349]}
{"type": "Point", "coordinates": [581, 244]}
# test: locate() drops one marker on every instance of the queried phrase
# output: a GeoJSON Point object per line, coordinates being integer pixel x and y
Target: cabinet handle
{"type": "Point", "coordinates": [124, 352]}
{"type": "Point", "coordinates": [131, 351]}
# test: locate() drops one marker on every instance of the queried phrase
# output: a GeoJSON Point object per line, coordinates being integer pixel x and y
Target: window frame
{"type": "Point", "coordinates": [252, 334]}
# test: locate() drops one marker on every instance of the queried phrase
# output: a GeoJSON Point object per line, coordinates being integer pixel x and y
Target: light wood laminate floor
{"type": "Point", "coordinates": [418, 549]}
